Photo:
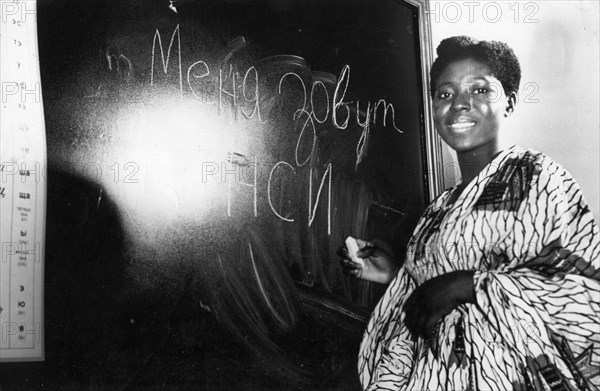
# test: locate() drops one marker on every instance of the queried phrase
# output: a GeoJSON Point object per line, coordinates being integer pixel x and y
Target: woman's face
{"type": "Point", "coordinates": [469, 106]}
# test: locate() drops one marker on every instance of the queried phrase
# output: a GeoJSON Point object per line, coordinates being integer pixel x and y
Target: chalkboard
{"type": "Point", "coordinates": [205, 161]}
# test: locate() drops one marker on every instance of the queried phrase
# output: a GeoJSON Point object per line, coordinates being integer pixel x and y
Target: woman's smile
{"type": "Point", "coordinates": [461, 124]}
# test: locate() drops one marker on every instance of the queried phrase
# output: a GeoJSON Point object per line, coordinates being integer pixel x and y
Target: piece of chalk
{"type": "Point", "coordinates": [352, 246]}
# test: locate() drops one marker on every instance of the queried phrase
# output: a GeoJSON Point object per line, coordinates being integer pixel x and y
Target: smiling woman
{"type": "Point", "coordinates": [499, 286]}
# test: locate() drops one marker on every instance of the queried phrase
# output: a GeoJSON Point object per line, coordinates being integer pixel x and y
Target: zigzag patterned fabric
{"type": "Point", "coordinates": [523, 226]}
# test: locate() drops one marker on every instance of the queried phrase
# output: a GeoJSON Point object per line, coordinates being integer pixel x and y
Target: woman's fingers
{"type": "Point", "coordinates": [348, 264]}
{"type": "Point", "coordinates": [429, 327]}
{"type": "Point", "coordinates": [366, 249]}
{"type": "Point", "coordinates": [349, 268]}
{"type": "Point", "coordinates": [346, 261]}
{"type": "Point", "coordinates": [416, 315]}
{"type": "Point", "coordinates": [363, 243]}
{"type": "Point", "coordinates": [410, 313]}
{"type": "Point", "coordinates": [419, 321]}
{"type": "Point", "coordinates": [352, 272]}
{"type": "Point", "coordinates": [376, 266]}
{"type": "Point", "coordinates": [408, 321]}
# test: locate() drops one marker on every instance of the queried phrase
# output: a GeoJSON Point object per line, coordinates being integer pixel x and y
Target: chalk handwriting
{"type": "Point", "coordinates": [165, 62]}
{"type": "Point", "coordinates": [242, 90]}
{"type": "Point", "coordinates": [233, 90]}
{"type": "Point", "coordinates": [255, 97]}
{"type": "Point", "coordinates": [312, 210]}
{"type": "Point", "coordinates": [309, 120]}
{"type": "Point", "coordinates": [285, 164]}
{"type": "Point", "coordinates": [125, 71]}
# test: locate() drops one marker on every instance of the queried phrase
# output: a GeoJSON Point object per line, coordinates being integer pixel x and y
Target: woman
{"type": "Point", "coordinates": [500, 289]}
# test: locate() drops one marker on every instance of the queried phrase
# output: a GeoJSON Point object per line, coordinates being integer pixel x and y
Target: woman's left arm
{"type": "Point", "coordinates": [435, 298]}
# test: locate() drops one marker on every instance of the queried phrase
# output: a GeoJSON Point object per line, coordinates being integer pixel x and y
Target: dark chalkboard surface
{"type": "Point", "coordinates": [206, 160]}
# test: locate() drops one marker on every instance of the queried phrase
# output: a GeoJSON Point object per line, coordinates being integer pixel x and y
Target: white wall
{"type": "Point", "coordinates": [557, 43]}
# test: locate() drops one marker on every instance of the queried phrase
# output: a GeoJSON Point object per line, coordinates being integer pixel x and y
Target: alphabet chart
{"type": "Point", "coordinates": [22, 185]}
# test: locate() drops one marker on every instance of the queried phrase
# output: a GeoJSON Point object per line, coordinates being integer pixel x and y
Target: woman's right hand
{"type": "Point", "coordinates": [379, 264]}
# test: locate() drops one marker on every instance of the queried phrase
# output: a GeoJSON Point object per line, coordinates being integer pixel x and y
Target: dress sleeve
{"type": "Point", "coordinates": [541, 296]}
{"type": "Point", "coordinates": [386, 351]}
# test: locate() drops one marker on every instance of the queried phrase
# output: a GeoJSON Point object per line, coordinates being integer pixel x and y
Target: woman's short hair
{"type": "Point", "coordinates": [498, 56]}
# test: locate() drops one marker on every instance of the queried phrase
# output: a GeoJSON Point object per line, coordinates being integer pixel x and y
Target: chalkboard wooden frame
{"type": "Point", "coordinates": [433, 143]}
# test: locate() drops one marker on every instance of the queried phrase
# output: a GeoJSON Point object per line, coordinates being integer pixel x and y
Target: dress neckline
{"type": "Point", "coordinates": [447, 203]}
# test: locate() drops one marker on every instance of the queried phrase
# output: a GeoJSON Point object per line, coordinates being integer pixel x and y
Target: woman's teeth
{"type": "Point", "coordinates": [461, 125]}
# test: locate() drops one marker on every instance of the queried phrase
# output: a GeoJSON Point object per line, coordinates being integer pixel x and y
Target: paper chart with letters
{"type": "Point", "coordinates": [22, 185]}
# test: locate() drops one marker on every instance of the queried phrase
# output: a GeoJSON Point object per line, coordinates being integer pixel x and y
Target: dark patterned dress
{"type": "Point", "coordinates": [523, 226]}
